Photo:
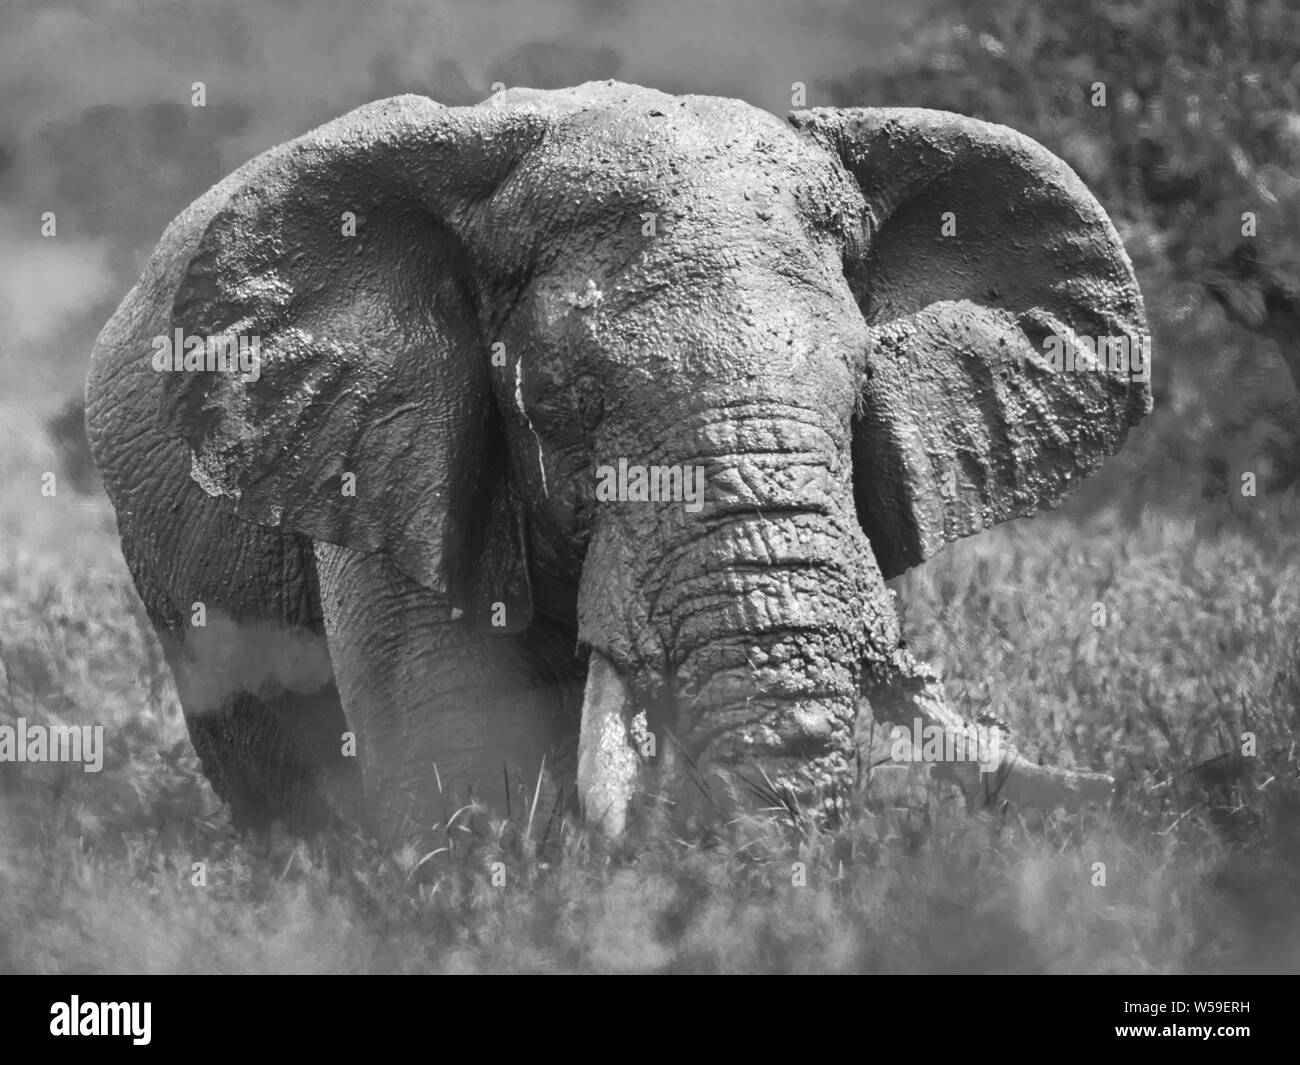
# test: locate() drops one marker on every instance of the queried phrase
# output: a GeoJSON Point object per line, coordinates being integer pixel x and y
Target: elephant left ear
{"type": "Point", "coordinates": [985, 267]}
{"type": "Point", "coordinates": [346, 267]}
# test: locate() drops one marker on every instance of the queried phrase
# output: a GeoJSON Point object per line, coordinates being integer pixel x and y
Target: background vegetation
{"type": "Point", "coordinates": [1200, 584]}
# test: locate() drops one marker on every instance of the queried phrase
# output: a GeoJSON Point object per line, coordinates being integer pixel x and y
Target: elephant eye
{"type": "Point", "coordinates": [589, 402]}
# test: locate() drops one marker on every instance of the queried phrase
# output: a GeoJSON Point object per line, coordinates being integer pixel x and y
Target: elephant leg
{"type": "Point", "coordinates": [271, 752]}
{"type": "Point", "coordinates": [249, 752]}
{"type": "Point", "coordinates": [445, 715]}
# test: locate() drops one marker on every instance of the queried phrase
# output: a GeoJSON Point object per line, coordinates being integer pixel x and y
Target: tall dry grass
{"type": "Point", "coordinates": [1191, 871]}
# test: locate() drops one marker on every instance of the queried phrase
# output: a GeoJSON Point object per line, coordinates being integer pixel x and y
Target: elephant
{"type": "Point", "coordinates": [558, 448]}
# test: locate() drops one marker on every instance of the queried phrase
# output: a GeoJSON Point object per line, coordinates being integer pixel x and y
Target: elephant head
{"type": "Point", "coordinates": [669, 379]}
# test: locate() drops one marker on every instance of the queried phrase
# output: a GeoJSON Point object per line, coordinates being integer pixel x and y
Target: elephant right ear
{"type": "Point", "coordinates": [984, 269]}
{"type": "Point", "coordinates": [358, 408]}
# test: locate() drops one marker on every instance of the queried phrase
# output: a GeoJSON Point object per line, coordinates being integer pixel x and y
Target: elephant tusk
{"type": "Point", "coordinates": [917, 695]}
{"type": "Point", "coordinates": [608, 765]}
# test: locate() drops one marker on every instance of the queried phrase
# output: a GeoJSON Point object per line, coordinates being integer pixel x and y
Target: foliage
{"type": "Point", "coordinates": [1202, 872]}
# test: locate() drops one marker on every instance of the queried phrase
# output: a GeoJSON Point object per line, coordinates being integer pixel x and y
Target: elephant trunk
{"type": "Point", "coordinates": [745, 641]}
{"type": "Point", "coordinates": [767, 640]}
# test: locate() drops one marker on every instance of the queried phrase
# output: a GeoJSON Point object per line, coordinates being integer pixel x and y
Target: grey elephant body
{"type": "Point", "coordinates": [398, 526]}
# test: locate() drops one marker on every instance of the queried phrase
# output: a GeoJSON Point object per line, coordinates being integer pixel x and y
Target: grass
{"type": "Point", "coordinates": [1193, 871]}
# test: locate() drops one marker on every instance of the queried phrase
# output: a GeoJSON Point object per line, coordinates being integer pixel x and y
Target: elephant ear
{"type": "Point", "coordinates": [366, 418]}
{"type": "Point", "coordinates": [983, 264]}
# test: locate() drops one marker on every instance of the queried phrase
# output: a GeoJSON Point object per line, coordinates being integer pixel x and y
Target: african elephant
{"type": "Point", "coordinates": [578, 432]}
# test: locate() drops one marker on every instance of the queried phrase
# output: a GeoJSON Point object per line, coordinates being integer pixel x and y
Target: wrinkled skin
{"type": "Point", "coordinates": [858, 388]}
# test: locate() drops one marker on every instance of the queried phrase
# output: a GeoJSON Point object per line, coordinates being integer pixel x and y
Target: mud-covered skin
{"type": "Point", "coordinates": [254, 680]}
{"type": "Point", "coordinates": [546, 284]}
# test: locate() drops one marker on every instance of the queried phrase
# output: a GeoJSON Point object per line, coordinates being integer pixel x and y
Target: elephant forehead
{"type": "Point", "coordinates": [699, 164]}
